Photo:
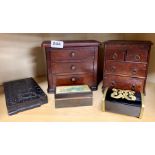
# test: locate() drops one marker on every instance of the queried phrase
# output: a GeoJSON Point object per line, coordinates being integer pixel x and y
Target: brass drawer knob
{"type": "Point", "coordinates": [113, 83]}
{"type": "Point", "coordinates": [73, 67]}
{"type": "Point", "coordinates": [134, 71]}
{"type": "Point", "coordinates": [115, 55]}
{"type": "Point", "coordinates": [137, 57]}
{"type": "Point", "coordinates": [133, 87]}
{"type": "Point", "coordinates": [72, 54]}
{"type": "Point", "coordinates": [113, 68]}
{"type": "Point", "coordinates": [73, 79]}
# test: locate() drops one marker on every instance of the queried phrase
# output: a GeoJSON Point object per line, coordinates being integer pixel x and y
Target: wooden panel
{"type": "Point", "coordinates": [72, 67]}
{"type": "Point", "coordinates": [114, 54]}
{"type": "Point", "coordinates": [72, 54]}
{"type": "Point", "coordinates": [73, 79]}
{"type": "Point", "coordinates": [137, 55]}
{"type": "Point", "coordinates": [123, 82]}
{"type": "Point", "coordinates": [123, 109]}
{"type": "Point", "coordinates": [126, 68]}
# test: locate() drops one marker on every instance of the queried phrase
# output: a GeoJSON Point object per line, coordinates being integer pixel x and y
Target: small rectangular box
{"type": "Point", "coordinates": [123, 102]}
{"type": "Point", "coordinates": [73, 96]}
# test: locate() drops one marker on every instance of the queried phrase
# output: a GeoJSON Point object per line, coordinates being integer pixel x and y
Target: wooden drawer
{"type": "Point", "coordinates": [123, 82]}
{"type": "Point", "coordinates": [126, 68]}
{"type": "Point", "coordinates": [137, 55]}
{"type": "Point", "coordinates": [69, 67]}
{"type": "Point", "coordinates": [72, 54]}
{"type": "Point", "coordinates": [74, 79]}
{"type": "Point", "coordinates": [114, 54]}
{"type": "Point", "coordinates": [137, 52]}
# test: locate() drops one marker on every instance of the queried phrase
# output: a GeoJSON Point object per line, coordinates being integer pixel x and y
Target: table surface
{"type": "Point", "coordinates": [48, 113]}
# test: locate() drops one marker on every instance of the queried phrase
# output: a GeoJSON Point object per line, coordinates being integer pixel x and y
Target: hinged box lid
{"type": "Point", "coordinates": [72, 91]}
{"type": "Point", "coordinates": [73, 96]}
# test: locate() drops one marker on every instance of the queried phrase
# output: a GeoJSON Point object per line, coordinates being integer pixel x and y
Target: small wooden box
{"type": "Point", "coordinates": [73, 96]}
{"type": "Point", "coordinates": [123, 102]}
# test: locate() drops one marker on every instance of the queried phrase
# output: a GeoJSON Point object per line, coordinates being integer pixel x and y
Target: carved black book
{"type": "Point", "coordinates": [22, 95]}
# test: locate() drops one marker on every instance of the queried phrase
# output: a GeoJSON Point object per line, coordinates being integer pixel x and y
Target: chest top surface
{"type": "Point", "coordinates": [73, 43]}
{"type": "Point", "coordinates": [128, 42]}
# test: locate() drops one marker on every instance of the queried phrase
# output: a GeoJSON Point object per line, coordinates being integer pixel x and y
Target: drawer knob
{"type": "Point", "coordinates": [133, 87]}
{"type": "Point", "coordinates": [113, 68]}
{"type": "Point", "coordinates": [73, 79]}
{"type": "Point", "coordinates": [113, 83]}
{"type": "Point", "coordinates": [114, 56]}
{"type": "Point", "coordinates": [73, 54]}
{"type": "Point", "coordinates": [134, 71]}
{"type": "Point", "coordinates": [137, 57]}
{"type": "Point", "coordinates": [73, 67]}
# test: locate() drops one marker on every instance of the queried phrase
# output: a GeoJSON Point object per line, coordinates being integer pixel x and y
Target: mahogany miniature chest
{"type": "Point", "coordinates": [126, 64]}
{"type": "Point", "coordinates": [74, 64]}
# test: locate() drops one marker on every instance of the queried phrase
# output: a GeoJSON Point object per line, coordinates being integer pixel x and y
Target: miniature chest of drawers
{"type": "Point", "coordinates": [126, 64]}
{"type": "Point", "coordinates": [74, 64]}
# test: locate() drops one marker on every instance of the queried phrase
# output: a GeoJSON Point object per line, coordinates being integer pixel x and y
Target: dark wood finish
{"type": "Point", "coordinates": [72, 54]}
{"type": "Point", "coordinates": [125, 68]}
{"type": "Point", "coordinates": [74, 43]}
{"type": "Point", "coordinates": [115, 54]}
{"type": "Point", "coordinates": [137, 56]}
{"type": "Point", "coordinates": [123, 109]}
{"type": "Point", "coordinates": [124, 82]}
{"type": "Point", "coordinates": [72, 67]}
{"type": "Point", "coordinates": [126, 64]}
{"type": "Point", "coordinates": [76, 63]}
{"type": "Point", "coordinates": [73, 79]}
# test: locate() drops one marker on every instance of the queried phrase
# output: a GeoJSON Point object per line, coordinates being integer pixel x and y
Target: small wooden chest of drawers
{"type": "Point", "coordinates": [126, 64]}
{"type": "Point", "coordinates": [74, 64]}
